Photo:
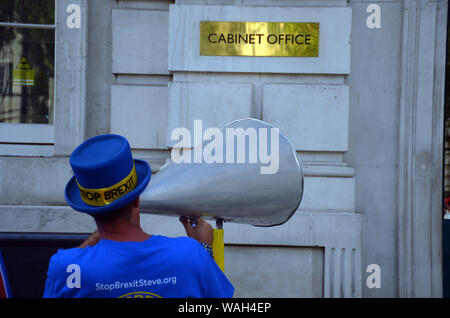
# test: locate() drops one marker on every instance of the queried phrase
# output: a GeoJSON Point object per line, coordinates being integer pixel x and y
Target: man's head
{"type": "Point", "coordinates": [107, 178]}
{"type": "Point", "coordinates": [128, 215]}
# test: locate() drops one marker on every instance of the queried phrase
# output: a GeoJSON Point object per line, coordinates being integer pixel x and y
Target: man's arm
{"type": "Point", "coordinates": [91, 240]}
{"type": "Point", "coordinates": [215, 283]}
{"type": "Point", "coordinates": [202, 231]}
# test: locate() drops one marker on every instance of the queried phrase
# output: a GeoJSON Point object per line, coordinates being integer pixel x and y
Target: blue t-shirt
{"type": "Point", "coordinates": [157, 267]}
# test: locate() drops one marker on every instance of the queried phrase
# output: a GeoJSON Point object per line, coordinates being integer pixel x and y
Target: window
{"type": "Point", "coordinates": [27, 71]}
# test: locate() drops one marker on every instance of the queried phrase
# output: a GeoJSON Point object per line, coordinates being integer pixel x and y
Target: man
{"type": "Point", "coordinates": [120, 259]}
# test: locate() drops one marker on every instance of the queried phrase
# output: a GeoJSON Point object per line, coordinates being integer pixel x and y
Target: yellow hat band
{"type": "Point", "coordinates": [101, 197]}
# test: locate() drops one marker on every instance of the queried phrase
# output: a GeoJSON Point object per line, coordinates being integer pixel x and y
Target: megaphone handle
{"type": "Point", "coordinates": [193, 220]}
{"type": "Point", "coordinates": [218, 245]}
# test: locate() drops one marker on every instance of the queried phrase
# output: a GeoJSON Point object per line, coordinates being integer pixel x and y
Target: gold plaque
{"type": "Point", "coordinates": [294, 39]}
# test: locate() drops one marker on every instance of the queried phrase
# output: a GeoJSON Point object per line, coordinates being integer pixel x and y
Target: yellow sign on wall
{"type": "Point", "coordinates": [290, 39]}
{"type": "Point", "coordinates": [23, 74]}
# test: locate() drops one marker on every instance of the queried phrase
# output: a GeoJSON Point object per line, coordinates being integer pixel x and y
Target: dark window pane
{"type": "Point", "coordinates": [28, 11]}
{"type": "Point", "coordinates": [27, 75]}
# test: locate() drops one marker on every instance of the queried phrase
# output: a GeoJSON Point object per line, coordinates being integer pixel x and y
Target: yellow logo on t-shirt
{"type": "Point", "coordinates": [141, 294]}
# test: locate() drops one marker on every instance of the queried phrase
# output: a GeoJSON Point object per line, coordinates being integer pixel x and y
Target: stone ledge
{"type": "Point", "coordinates": [328, 229]}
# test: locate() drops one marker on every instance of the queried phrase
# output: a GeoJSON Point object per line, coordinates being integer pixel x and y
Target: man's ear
{"type": "Point", "coordinates": [135, 210]}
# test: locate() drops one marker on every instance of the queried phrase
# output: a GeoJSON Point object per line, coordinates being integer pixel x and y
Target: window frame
{"type": "Point", "coordinates": [67, 129]}
{"type": "Point", "coordinates": [22, 133]}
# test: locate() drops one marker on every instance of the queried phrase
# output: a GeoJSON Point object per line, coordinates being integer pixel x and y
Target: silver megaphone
{"type": "Point", "coordinates": [259, 182]}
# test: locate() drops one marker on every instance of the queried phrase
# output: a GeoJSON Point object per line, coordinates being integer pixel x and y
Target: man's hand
{"type": "Point", "coordinates": [92, 240]}
{"type": "Point", "coordinates": [202, 231]}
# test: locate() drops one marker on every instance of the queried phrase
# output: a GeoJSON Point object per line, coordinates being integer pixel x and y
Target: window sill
{"type": "Point", "coordinates": [26, 150]}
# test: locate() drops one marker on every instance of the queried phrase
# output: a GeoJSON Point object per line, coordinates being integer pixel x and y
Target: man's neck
{"type": "Point", "coordinates": [124, 234]}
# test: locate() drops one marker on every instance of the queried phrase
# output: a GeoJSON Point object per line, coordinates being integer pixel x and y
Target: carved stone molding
{"type": "Point", "coordinates": [71, 78]}
{"type": "Point", "coordinates": [420, 149]}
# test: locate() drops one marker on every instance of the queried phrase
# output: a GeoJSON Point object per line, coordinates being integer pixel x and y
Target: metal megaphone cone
{"type": "Point", "coordinates": [228, 183]}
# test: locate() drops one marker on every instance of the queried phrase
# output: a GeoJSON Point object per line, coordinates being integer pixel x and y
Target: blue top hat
{"type": "Point", "coordinates": [106, 176]}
